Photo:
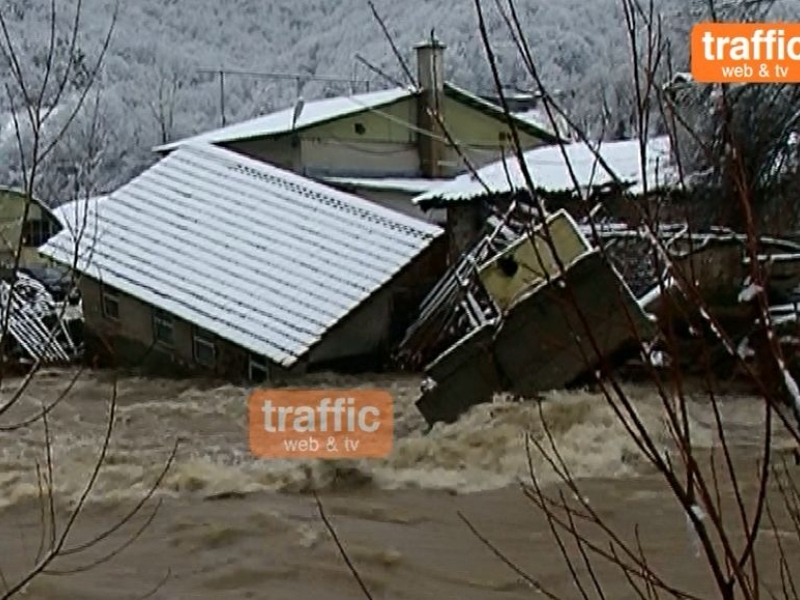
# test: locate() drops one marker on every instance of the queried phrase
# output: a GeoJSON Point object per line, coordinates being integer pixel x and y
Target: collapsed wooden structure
{"type": "Point", "coordinates": [41, 329]}
{"type": "Point", "coordinates": [521, 312]}
{"type": "Point", "coordinates": [507, 318]}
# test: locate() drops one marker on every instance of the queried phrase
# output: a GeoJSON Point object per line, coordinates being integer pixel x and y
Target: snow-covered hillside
{"type": "Point", "coordinates": [154, 84]}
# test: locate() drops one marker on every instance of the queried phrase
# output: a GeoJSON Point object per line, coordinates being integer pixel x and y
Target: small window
{"type": "Point", "coordinates": [360, 129]}
{"type": "Point", "coordinates": [163, 327]}
{"type": "Point", "coordinates": [36, 232]}
{"type": "Point", "coordinates": [205, 348]}
{"type": "Point", "coordinates": [110, 301]}
{"type": "Point", "coordinates": [258, 371]}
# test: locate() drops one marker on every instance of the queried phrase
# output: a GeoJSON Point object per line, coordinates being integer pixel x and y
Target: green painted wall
{"type": "Point", "coordinates": [12, 209]}
{"type": "Point", "coordinates": [466, 124]}
{"type": "Point", "coordinates": [384, 142]}
{"type": "Point", "coordinates": [387, 124]}
{"type": "Point", "coordinates": [471, 126]}
{"type": "Point", "coordinates": [480, 136]}
{"type": "Point", "coordinates": [371, 143]}
{"type": "Point", "coordinates": [276, 151]}
{"type": "Point", "coordinates": [366, 143]}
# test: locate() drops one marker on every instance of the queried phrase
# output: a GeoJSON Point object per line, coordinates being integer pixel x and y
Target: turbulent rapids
{"type": "Point", "coordinates": [230, 525]}
{"type": "Point", "coordinates": [484, 450]}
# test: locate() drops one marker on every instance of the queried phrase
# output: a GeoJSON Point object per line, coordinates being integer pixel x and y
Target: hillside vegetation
{"type": "Point", "coordinates": [153, 86]}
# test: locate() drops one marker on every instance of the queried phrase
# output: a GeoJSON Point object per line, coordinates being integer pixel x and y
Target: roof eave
{"type": "Point", "coordinates": [443, 201]}
{"type": "Point", "coordinates": [436, 202]}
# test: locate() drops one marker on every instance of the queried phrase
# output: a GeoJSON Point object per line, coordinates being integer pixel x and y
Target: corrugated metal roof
{"type": "Point", "coordinates": [313, 112]}
{"type": "Point", "coordinates": [550, 171]}
{"type": "Point", "coordinates": [538, 118]}
{"type": "Point", "coordinates": [259, 256]}
{"type": "Point", "coordinates": [72, 213]}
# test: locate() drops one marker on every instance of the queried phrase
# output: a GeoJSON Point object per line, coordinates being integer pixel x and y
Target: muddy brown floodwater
{"type": "Point", "coordinates": [233, 526]}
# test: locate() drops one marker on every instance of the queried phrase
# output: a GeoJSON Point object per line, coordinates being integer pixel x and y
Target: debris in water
{"type": "Point", "coordinates": [525, 329]}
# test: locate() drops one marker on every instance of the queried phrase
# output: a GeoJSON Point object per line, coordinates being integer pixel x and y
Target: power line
{"type": "Point", "coordinates": [298, 78]}
{"type": "Point", "coordinates": [284, 76]}
{"type": "Point", "coordinates": [389, 117]}
{"type": "Point", "coordinates": [379, 72]}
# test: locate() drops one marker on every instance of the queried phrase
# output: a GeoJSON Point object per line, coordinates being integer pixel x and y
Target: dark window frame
{"type": "Point", "coordinates": [36, 232]}
{"type": "Point", "coordinates": [257, 363]}
{"type": "Point", "coordinates": [203, 338]}
{"type": "Point", "coordinates": [109, 297]}
{"type": "Point", "coordinates": [162, 318]}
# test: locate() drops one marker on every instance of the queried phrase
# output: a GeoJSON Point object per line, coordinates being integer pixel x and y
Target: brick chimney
{"type": "Point", "coordinates": [430, 76]}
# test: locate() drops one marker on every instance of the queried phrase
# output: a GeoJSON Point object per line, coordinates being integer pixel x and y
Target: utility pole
{"type": "Point", "coordinates": [222, 95]}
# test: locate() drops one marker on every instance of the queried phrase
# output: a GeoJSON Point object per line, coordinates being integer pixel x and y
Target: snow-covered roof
{"type": "Point", "coordinates": [313, 112]}
{"type": "Point", "coordinates": [401, 184]}
{"type": "Point", "coordinates": [71, 214]}
{"type": "Point", "coordinates": [550, 171]}
{"type": "Point", "coordinates": [538, 118]}
{"type": "Point", "coordinates": [259, 256]}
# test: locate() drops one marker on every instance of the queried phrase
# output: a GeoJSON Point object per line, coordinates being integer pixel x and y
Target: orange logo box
{"type": "Point", "coordinates": [321, 423]}
{"type": "Point", "coordinates": [746, 52]}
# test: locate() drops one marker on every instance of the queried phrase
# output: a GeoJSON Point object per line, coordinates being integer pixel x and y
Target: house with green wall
{"type": "Point", "coordinates": [387, 146]}
{"type": "Point", "coordinates": [22, 231]}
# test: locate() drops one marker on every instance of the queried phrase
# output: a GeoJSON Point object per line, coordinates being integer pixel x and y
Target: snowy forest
{"type": "Point", "coordinates": [159, 79]}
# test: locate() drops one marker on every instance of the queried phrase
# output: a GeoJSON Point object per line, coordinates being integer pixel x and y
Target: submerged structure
{"type": "Point", "coordinates": [212, 262]}
{"type": "Point", "coordinates": [523, 311]}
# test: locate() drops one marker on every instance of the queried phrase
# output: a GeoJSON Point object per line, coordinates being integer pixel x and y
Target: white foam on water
{"type": "Point", "coordinates": [485, 449]}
